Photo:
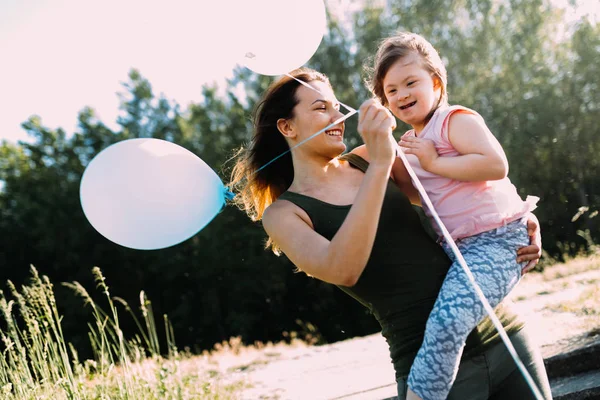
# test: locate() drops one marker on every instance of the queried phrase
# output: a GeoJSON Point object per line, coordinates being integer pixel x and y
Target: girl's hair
{"type": "Point", "coordinates": [256, 190]}
{"type": "Point", "coordinates": [399, 46]}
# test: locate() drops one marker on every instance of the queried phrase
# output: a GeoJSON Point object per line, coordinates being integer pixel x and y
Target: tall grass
{"type": "Point", "coordinates": [36, 361]}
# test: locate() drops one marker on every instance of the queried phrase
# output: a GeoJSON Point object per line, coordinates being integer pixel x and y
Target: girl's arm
{"type": "Point", "coordinates": [342, 260]}
{"type": "Point", "coordinates": [481, 155]}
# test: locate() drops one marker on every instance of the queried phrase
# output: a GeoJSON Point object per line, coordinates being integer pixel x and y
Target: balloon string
{"type": "Point", "coordinates": [317, 90]}
{"type": "Point", "coordinates": [228, 194]}
{"type": "Point", "coordinates": [467, 271]}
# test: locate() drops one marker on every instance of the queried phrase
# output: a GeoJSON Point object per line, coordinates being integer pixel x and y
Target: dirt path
{"type": "Point", "coordinates": [558, 304]}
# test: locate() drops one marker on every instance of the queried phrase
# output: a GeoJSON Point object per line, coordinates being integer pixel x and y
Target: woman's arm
{"type": "Point", "coordinates": [399, 175]}
{"type": "Point", "coordinates": [481, 155]}
{"type": "Point", "coordinates": [342, 260]}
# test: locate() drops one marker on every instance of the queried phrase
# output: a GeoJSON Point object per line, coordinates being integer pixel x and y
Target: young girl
{"type": "Point", "coordinates": [464, 171]}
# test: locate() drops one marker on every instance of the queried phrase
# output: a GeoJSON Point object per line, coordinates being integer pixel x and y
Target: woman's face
{"type": "Point", "coordinates": [315, 111]}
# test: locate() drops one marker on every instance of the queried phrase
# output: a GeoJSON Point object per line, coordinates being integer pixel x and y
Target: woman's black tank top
{"type": "Point", "coordinates": [403, 275]}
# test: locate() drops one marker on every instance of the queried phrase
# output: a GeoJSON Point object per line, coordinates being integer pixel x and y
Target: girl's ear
{"type": "Point", "coordinates": [437, 83]}
{"type": "Point", "coordinates": [286, 127]}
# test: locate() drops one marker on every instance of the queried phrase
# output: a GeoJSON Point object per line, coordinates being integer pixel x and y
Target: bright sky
{"type": "Point", "coordinates": [58, 56]}
{"type": "Point", "coordinates": [61, 55]}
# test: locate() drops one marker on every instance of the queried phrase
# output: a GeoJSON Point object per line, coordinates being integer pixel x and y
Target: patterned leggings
{"type": "Point", "coordinates": [491, 257]}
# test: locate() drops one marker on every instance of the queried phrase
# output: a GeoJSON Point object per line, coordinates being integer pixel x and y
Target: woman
{"type": "Point", "coordinates": [362, 232]}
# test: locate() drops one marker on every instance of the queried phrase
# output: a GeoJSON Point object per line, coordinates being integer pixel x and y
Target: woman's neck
{"type": "Point", "coordinates": [311, 174]}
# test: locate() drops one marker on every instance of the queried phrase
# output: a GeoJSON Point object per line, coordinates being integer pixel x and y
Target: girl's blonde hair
{"type": "Point", "coordinates": [257, 188]}
{"type": "Point", "coordinates": [399, 46]}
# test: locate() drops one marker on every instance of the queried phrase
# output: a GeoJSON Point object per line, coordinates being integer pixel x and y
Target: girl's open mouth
{"type": "Point", "coordinates": [404, 107]}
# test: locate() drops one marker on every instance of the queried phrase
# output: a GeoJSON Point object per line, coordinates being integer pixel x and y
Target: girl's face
{"type": "Point", "coordinates": [315, 111]}
{"type": "Point", "coordinates": [411, 91]}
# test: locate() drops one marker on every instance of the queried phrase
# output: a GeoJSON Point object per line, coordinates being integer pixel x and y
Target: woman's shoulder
{"type": "Point", "coordinates": [285, 212]}
{"type": "Point", "coordinates": [278, 210]}
{"type": "Point", "coordinates": [359, 151]}
{"type": "Point", "coordinates": [289, 202]}
{"type": "Point", "coordinates": [357, 158]}
{"type": "Point", "coordinates": [282, 205]}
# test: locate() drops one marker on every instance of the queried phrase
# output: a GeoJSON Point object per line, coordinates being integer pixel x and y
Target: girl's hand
{"type": "Point", "coordinates": [424, 149]}
{"type": "Point", "coordinates": [375, 125]}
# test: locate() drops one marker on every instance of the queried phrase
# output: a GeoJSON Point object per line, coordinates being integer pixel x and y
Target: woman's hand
{"type": "Point", "coordinates": [533, 252]}
{"type": "Point", "coordinates": [375, 125]}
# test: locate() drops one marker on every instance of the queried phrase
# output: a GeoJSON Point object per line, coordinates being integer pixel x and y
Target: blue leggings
{"type": "Point", "coordinates": [491, 257]}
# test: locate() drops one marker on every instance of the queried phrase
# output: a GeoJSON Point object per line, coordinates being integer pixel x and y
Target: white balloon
{"type": "Point", "coordinates": [149, 193]}
{"type": "Point", "coordinates": [278, 36]}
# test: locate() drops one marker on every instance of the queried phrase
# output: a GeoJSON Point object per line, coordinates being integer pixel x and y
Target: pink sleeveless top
{"type": "Point", "coordinates": [465, 208]}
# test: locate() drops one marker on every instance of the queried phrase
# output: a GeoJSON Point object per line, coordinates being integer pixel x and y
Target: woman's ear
{"type": "Point", "coordinates": [286, 127]}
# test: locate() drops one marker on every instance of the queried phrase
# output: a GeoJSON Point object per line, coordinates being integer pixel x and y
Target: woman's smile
{"type": "Point", "coordinates": [336, 132]}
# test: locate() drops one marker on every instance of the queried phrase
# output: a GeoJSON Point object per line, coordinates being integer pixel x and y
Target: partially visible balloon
{"type": "Point", "coordinates": [278, 36]}
{"type": "Point", "coordinates": [149, 194]}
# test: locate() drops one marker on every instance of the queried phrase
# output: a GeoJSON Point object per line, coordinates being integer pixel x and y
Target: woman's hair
{"type": "Point", "coordinates": [399, 46]}
{"type": "Point", "coordinates": [257, 188]}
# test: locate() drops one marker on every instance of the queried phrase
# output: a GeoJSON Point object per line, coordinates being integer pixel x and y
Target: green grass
{"type": "Point", "coordinates": [38, 363]}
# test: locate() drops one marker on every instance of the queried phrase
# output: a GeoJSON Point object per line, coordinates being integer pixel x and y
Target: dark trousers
{"type": "Point", "coordinates": [493, 374]}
